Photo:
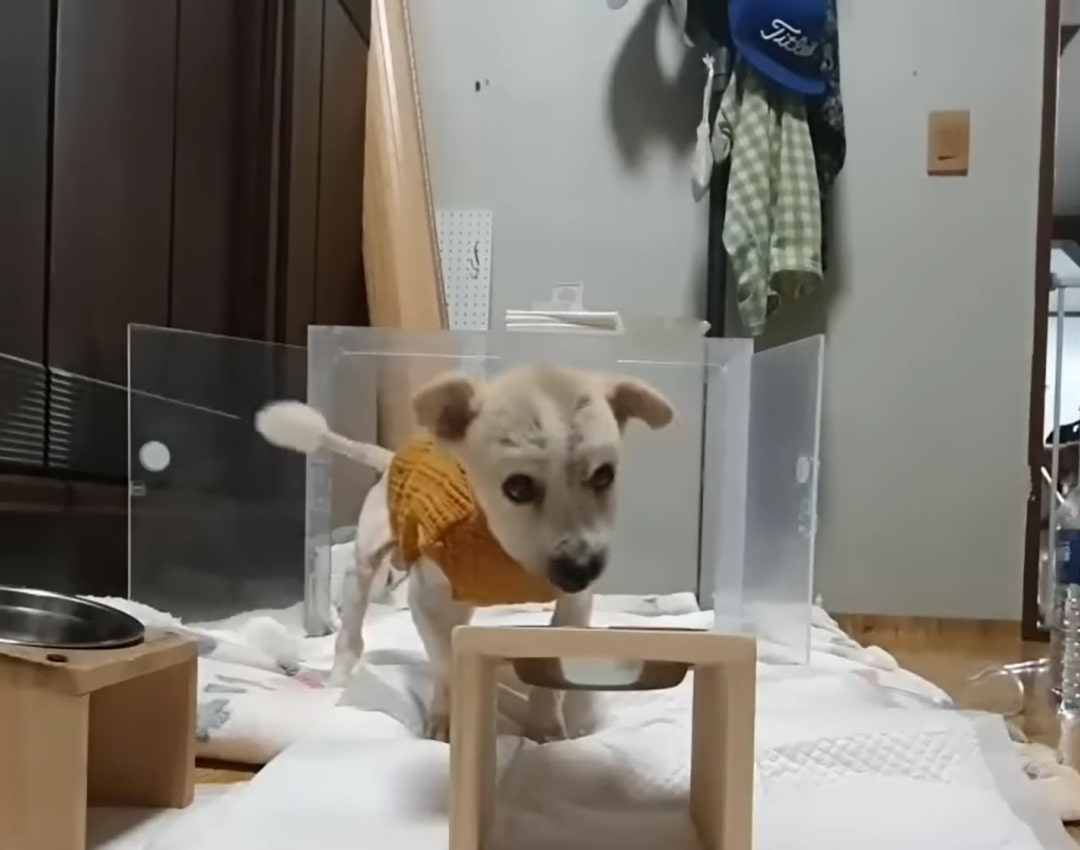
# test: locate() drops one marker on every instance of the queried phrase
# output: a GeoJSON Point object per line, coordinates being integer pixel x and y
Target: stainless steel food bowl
{"type": "Point", "coordinates": [55, 621]}
{"type": "Point", "coordinates": [568, 674]}
{"type": "Point", "coordinates": [599, 674]}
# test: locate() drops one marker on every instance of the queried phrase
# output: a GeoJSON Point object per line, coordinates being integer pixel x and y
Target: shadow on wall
{"type": "Point", "coordinates": [809, 316]}
{"type": "Point", "coordinates": [637, 78]}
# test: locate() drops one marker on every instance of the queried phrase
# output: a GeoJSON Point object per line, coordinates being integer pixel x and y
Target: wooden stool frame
{"type": "Point", "coordinates": [93, 728]}
{"type": "Point", "coordinates": [722, 754]}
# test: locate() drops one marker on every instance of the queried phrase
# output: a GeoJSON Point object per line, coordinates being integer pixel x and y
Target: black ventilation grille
{"type": "Point", "coordinates": [23, 415]}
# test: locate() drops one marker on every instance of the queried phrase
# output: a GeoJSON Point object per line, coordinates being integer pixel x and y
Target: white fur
{"type": "Point", "coordinates": [556, 425]}
{"type": "Point", "coordinates": [301, 428]}
{"type": "Point", "coordinates": [292, 425]}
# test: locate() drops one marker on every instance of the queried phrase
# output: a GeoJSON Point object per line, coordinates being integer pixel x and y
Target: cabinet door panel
{"type": "Point", "coordinates": [24, 117]}
{"type": "Point", "coordinates": [64, 536]}
{"type": "Point", "coordinates": [222, 265]}
{"type": "Point", "coordinates": [112, 212]}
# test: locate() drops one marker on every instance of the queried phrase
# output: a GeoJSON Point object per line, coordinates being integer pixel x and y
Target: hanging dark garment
{"type": "Point", "coordinates": [825, 118]}
{"type": "Point", "coordinates": [717, 258]}
{"type": "Point", "coordinates": [708, 20]}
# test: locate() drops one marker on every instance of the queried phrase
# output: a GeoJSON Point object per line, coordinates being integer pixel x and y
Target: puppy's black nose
{"type": "Point", "coordinates": [575, 574]}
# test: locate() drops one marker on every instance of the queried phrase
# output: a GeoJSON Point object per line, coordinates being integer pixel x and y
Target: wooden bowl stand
{"type": "Point", "coordinates": [93, 728]}
{"type": "Point", "coordinates": [722, 753]}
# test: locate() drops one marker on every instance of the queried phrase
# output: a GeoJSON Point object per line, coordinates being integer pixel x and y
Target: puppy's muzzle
{"type": "Point", "coordinates": [574, 574]}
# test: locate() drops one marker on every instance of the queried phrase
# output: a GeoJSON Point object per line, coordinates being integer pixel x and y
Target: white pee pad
{"type": "Point", "coordinates": [261, 682]}
{"type": "Point", "coordinates": [851, 752]}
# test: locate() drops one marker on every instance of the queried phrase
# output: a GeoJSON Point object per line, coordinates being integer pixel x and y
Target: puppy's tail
{"type": "Point", "coordinates": [301, 428]}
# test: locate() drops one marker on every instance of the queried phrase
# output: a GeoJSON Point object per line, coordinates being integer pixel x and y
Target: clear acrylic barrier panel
{"type": "Point", "coordinates": [720, 504]}
{"type": "Point", "coordinates": [783, 419]}
{"type": "Point", "coordinates": [216, 513]}
{"type": "Point", "coordinates": [656, 542]}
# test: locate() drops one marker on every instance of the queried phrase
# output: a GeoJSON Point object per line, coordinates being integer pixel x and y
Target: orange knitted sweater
{"type": "Point", "coordinates": [433, 514]}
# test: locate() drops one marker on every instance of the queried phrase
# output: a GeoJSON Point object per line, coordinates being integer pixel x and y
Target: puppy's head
{"type": "Point", "coordinates": [541, 449]}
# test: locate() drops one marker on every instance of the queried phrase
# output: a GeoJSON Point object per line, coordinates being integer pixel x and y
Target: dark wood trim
{"type": "Point", "coordinates": [37, 494]}
{"type": "Point", "coordinates": [279, 250]}
{"type": "Point", "coordinates": [34, 494]}
{"type": "Point", "coordinates": [30, 493]}
{"type": "Point", "coordinates": [1044, 229]}
{"type": "Point", "coordinates": [98, 499]}
{"type": "Point", "coordinates": [264, 118]}
{"type": "Point", "coordinates": [277, 172]}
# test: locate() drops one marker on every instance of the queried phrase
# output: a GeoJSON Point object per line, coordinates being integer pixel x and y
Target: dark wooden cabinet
{"type": "Point", "coordinates": [326, 100]}
{"type": "Point", "coordinates": [111, 216]}
{"type": "Point", "coordinates": [192, 164]}
{"type": "Point", "coordinates": [25, 75]}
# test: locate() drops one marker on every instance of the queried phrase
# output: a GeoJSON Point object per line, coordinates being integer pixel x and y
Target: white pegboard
{"type": "Point", "coordinates": [465, 253]}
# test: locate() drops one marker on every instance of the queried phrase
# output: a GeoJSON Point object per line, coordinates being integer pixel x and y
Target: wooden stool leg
{"type": "Point", "coordinates": [472, 751]}
{"type": "Point", "coordinates": [42, 766]}
{"type": "Point", "coordinates": [142, 740]}
{"type": "Point", "coordinates": [722, 756]}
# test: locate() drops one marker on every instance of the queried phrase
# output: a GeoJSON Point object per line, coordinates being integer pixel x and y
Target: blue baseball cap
{"type": "Point", "coordinates": [781, 39]}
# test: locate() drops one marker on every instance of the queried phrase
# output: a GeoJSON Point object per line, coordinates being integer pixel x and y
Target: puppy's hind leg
{"type": "Point", "coordinates": [373, 543]}
{"type": "Point", "coordinates": [356, 594]}
{"type": "Point", "coordinates": [436, 614]}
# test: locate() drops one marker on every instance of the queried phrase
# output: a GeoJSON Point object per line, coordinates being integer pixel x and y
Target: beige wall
{"type": "Point", "coordinates": [928, 358]}
{"type": "Point", "coordinates": [929, 328]}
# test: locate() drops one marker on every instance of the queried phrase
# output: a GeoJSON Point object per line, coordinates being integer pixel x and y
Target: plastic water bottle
{"type": "Point", "coordinates": [1065, 632]}
{"type": "Point", "coordinates": [1067, 523]}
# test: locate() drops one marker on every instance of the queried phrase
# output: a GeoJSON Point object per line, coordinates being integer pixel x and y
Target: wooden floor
{"type": "Point", "coordinates": [944, 652]}
{"type": "Point", "coordinates": [949, 652]}
{"type": "Point", "coordinates": [217, 773]}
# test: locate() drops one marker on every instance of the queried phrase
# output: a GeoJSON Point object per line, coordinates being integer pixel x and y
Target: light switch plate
{"type": "Point", "coordinates": [948, 145]}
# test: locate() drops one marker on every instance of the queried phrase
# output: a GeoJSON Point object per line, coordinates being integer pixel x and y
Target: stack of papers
{"type": "Point", "coordinates": [588, 321]}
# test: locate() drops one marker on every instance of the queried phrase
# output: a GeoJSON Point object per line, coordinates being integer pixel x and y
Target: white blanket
{"type": "Point", "coordinates": [851, 752]}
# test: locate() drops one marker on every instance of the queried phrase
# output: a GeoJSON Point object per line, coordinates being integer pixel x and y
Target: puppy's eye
{"type": "Point", "coordinates": [602, 478]}
{"type": "Point", "coordinates": [521, 489]}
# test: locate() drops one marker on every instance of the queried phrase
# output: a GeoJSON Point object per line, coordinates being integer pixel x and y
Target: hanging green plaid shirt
{"type": "Point", "coordinates": [772, 226]}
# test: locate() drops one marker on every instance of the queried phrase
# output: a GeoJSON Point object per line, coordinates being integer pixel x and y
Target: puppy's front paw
{"type": "Point", "coordinates": [545, 721]}
{"type": "Point", "coordinates": [437, 727]}
{"type": "Point", "coordinates": [342, 671]}
{"type": "Point", "coordinates": [546, 731]}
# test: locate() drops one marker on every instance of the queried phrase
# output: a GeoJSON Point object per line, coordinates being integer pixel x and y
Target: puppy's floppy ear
{"type": "Point", "coordinates": [631, 398]}
{"type": "Point", "coordinates": [447, 405]}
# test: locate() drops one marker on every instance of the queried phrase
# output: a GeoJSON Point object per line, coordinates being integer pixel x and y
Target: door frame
{"type": "Point", "coordinates": [1044, 235]}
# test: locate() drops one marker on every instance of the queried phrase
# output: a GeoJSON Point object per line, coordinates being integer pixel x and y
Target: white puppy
{"type": "Point", "coordinates": [508, 498]}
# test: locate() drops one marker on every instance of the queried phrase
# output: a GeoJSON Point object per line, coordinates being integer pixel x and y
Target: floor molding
{"type": "Point", "coordinates": [878, 628]}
